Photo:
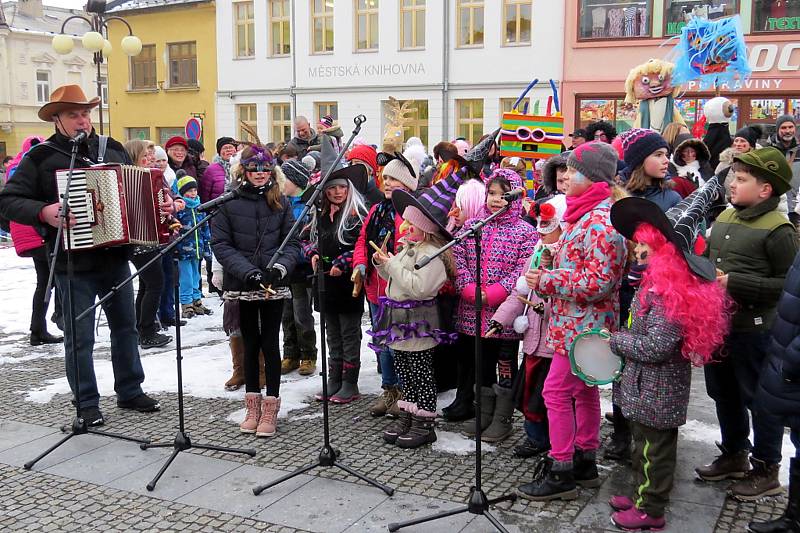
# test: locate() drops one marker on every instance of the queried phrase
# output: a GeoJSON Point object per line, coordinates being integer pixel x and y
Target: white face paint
{"type": "Point", "coordinates": [578, 178]}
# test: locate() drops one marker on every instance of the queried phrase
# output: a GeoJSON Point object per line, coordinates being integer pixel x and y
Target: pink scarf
{"type": "Point", "coordinates": [577, 206]}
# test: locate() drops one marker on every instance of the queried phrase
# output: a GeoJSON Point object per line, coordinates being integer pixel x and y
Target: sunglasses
{"type": "Point", "coordinates": [384, 158]}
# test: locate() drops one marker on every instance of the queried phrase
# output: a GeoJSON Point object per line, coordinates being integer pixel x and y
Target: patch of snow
{"type": "Point", "coordinates": [457, 444]}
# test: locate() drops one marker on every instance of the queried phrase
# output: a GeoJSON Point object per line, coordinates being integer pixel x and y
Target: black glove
{"type": "Point", "coordinates": [254, 280]}
{"type": "Point", "coordinates": [494, 324]}
{"type": "Point", "coordinates": [272, 276]}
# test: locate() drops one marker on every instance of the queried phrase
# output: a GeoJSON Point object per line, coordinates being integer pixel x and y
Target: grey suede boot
{"type": "Point", "coordinates": [334, 378]}
{"type": "Point", "coordinates": [500, 428]}
{"type": "Point", "coordinates": [348, 392]}
{"type": "Point", "coordinates": [486, 415]}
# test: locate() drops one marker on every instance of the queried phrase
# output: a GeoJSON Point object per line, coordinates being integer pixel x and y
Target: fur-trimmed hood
{"type": "Point", "coordinates": [549, 174]}
{"type": "Point", "coordinates": [703, 155]}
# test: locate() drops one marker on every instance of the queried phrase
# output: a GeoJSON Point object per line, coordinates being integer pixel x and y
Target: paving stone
{"type": "Point", "coordinates": [107, 463]}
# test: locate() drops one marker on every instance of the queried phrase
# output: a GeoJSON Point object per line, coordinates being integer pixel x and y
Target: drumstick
{"type": "Point", "coordinates": [358, 283]}
{"type": "Point", "coordinates": [385, 241]}
{"type": "Point", "coordinates": [525, 301]}
{"type": "Point", "coordinates": [375, 247]}
{"type": "Point", "coordinates": [269, 290]}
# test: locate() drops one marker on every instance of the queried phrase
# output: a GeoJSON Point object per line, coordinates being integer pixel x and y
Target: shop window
{"type": "Point", "coordinates": [776, 16]}
{"type": "Point", "coordinates": [793, 108]}
{"type": "Point", "coordinates": [677, 13]}
{"type": "Point", "coordinates": [613, 110]}
{"type": "Point", "coordinates": [412, 24]}
{"type": "Point", "coordinates": [766, 109]}
{"type": "Point", "coordinates": [615, 19]}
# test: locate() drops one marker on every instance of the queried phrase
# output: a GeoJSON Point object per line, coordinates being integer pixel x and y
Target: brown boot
{"type": "Point", "coordinates": [759, 482]}
{"type": "Point", "coordinates": [252, 402]}
{"type": "Point", "coordinates": [397, 428]}
{"type": "Point", "coordinates": [421, 431]}
{"type": "Point", "coordinates": [262, 376]}
{"type": "Point", "coordinates": [307, 367]}
{"type": "Point", "coordinates": [725, 466]}
{"type": "Point", "coordinates": [188, 311]}
{"type": "Point", "coordinates": [201, 309]}
{"type": "Point", "coordinates": [384, 402]}
{"type": "Point", "coordinates": [394, 409]}
{"type": "Point", "coordinates": [237, 355]}
{"type": "Point", "coordinates": [288, 365]}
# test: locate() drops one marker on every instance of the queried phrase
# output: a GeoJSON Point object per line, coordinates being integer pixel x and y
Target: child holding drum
{"type": "Point", "coordinates": [679, 317]}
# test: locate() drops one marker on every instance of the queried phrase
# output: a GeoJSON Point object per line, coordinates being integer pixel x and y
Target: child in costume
{"type": "Point", "coordinates": [332, 238]}
{"type": "Point", "coordinates": [382, 225]}
{"type": "Point", "coordinates": [507, 243]}
{"type": "Point", "coordinates": [408, 320]}
{"type": "Point", "coordinates": [191, 249]}
{"type": "Point", "coordinates": [527, 313]}
{"type": "Point", "coordinates": [247, 232]}
{"type": "Point", "coordinates": [678, 318]}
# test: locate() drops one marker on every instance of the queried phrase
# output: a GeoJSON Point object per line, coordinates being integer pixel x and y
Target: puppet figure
{"type": "Point", "coordinates": [650, 84]}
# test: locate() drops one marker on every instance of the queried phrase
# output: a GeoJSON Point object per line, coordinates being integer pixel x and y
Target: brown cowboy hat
{"type": "Point", "coordinates": [66, 97]}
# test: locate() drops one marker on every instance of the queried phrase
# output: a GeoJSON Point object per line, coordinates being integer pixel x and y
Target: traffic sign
{"type": "Point", "coordinates": [194, 128]}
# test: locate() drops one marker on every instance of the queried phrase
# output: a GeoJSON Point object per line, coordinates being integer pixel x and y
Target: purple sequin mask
{"type": "Point", "coordinates": [260, 161]}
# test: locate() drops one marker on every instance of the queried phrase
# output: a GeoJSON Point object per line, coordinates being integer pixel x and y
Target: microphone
{"type": "Point", "coordinates": [80, 136]}
{"type": "Point", "coordinates": [219, 200]}
{"type": "Point", "coordinates": [359, 120]}
{"type": "Point", "coordinates": [513, 194]}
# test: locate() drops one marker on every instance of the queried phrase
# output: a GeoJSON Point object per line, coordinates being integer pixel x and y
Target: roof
{"type": "Point", "coordinates": [49, 23]}
{"type": "Point", "coordinates": [124, 6]}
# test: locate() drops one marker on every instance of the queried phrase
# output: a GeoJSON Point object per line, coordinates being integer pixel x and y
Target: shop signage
{"type": "Point", "coordinates": [349, 71]}
{"type": "Point", "coordinates": [783, 23]}
{"type": "Point", "coordinates": [766, 56]}
{"type": "Point", "coordinates": [749, 84]}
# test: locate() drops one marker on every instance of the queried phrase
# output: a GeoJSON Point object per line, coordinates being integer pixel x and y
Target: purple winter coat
{"type": "Point", "coordinates": [212, 183]}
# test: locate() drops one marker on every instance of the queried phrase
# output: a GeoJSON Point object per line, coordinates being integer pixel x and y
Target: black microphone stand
{"type": "Point", "coordinates": [328, 456]}
{"type": "Point", "coordinates": [79, 425]}
{"type": "Point", "coordinates": [477, 502]}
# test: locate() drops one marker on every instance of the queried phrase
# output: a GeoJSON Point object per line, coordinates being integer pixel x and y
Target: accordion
{"type": "Point", "coordinates": [115, 205]}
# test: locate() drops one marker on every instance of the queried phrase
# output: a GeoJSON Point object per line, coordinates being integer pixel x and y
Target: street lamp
{"type": "Point", "coordinates": [95, 42]}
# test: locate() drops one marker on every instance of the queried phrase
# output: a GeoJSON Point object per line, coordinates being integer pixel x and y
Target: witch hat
{"type": "Point", "coordinates": [478, 154]}
{"type": "Point", "coordinates": [686, 215]}
{"type": "Point", "coordinates": [356, 174]}
{"type": "Point", "coordinates": [434, 202]}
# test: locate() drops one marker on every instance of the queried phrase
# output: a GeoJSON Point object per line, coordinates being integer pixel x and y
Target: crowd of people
{"type": "Point", "coordinates": [677, 252]}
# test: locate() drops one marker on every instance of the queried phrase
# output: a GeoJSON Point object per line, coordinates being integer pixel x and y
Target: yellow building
{"type": "Point", "coordinates": [173, 79]}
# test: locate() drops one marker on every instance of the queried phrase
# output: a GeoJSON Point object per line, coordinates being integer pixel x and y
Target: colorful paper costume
{"type": "Point", "coordinates": [651, 86]}
{"type": "Point", "coordinates": [712, 53]}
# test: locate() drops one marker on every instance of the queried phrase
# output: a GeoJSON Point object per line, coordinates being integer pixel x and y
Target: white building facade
{"type": "Point", "coordinates": [460, 61]}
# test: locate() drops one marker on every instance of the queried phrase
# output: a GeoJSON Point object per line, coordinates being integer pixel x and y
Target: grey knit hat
{"type": "Point", "coordinates": [596, 160]}
{"type": "Point", "coordinates": [785, 118]}
{"type": "Point", "coordinates": [296, 172]}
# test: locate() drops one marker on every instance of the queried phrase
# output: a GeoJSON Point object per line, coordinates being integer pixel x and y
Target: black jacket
{"type": "Point", "coordinates": [779, 388]}
{"type": "Point", "coordinates": [302, 145]}
{"type": "Point", "coordinates": [34, 187]}
{"type": "Point", "coordinates": [246, 233]}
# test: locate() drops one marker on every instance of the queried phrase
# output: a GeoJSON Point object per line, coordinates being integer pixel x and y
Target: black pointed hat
{"type": "Point", "coordinates": [477, 155]}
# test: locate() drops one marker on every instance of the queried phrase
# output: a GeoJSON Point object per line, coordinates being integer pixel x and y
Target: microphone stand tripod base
{"type": "Point", "coordinates": [477, 503]}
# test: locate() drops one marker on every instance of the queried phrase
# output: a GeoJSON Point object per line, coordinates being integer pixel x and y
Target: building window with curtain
{"type": "Point", "coordinates": [323, 109]}
{"type": "Point", "coordinates": [42, 86]}
{"type": "Point", "coordinates": [321, 26]}
{"type": "Point", "coordinates": [615, 19]}
{"type": "Point", "coordinates": [244, 25]}
{"type": "Point", "coordinates": [165, 134]}
{"type": "Point", "coordinates": [366, 25]}
{"type": "Point", "coordinates": [182, 64]}
{"type": "Point", "coordinates": [281, 125]}
{"type": "Point", "coordinates": [677, 13]}
{"type": "Point", "coordinates": [517, 21]}
{"type": "Point", "coordinates": [280, 28]}
{"type": "Point", "coordinates": [469, 23]}
{"type": "Point", "coordinates": [246, 113]}
{"type": "Point", "coordinates": [412, 24]}
{"type": "Point", "coordinates": [773, 16]}
{"type": "Point", "coordinates": [469, 119]}
{"type": "Point", "coordinates": [141, 134]}
{"type": "Point", "coordinates": [143, 68]}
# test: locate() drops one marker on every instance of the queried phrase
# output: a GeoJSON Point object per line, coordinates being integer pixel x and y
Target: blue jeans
{"type": "Point", "coordinates": [189, 272]}
{"type": "Point", "coordinates": [538, 433]}
{"type": "Point", "coordinates": [121, 315]}
{"type": "Point", "coordinates": [166, 309]}
{"type": "Point", "coordinates": [732, 383]}
{"type": "Point", "coordinates": [385, 356]}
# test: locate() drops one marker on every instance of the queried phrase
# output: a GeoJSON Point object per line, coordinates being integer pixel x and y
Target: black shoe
{"type": "Point", "coordinates": [142, 403]}
{"type": "Point", "coordinates": [170, 323]}
{"type": "Point", "coordinates": [58, 320]}
{"type": "Point", "coordinates": [458, 412]}
{"type": "Point", "coordinates": [92, 415]}
{"type": "Point", "coordinates": [528, 449]}
{"type": "Point", "coordinates": [549, 484]}
{"type": "Point", "coordinates": [618, 449]}
{"type": "Point", "coordinates": [44, 338]}
{"type": "Point", "coordinates": [156, 340]}
{"type": "Point", "coordinates": [584, 469]}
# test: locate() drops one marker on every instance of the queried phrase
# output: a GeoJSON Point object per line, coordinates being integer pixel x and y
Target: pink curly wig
{"type": "Point", "coordinates": [701, 308]}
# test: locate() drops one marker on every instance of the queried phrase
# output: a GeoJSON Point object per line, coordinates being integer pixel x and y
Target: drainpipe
{"type": "Point", "coordinates": [293, 86]}
{"type": "Point", "coordinates": [446, 72]}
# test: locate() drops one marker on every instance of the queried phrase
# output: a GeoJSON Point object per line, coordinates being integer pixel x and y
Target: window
{"type": "Point", "coordinates": [678, 13]}
{"type": "Point", "coordinates": [137, 133]}
{"type": "Point", "coordinates": [412, 24]}
{"type": "Point", "coordinates": [469, 119]}
{"type": "Point", "coordinates": [766, 109]}
{"type": "Point", "coordinates": [772, 16]}
{"type": "Point", "coordinates": [246, 113]}
{"type": "Point", "coordinates": [165, 134]}
{"type": "Point", "coordinates": [614, 110]}
{"type": "Point", "coordinates": [183, 64]}
{"type": "Point", "coordinates": [416, 116]}
{"type": "Point", "coordinates": [507, 103]}
{"type": "Point", "coordinates": [321, 26]}
{"type": "Point", "coordinates": [366, 25]}
{"type": "Point", "coordinates": [691, 110]}
{"type": "Point", "coordinates": [470, 22]}
{"type": "Point", "coordinates": [280, 29]}
{"type": "Point", "coordinates": [42, 86]}
{"type": "Point", "coordinates": [104, 91]}
{"type": "Point", "coordinates": [244, 29]}
{"type": "Point", "coordinates": [143, 68]}
{"type": "Point", "coordinates": [281, 122]}
{"type": "Point", "coordinates": [615, 19]}
{"type": "Point", "coordinates": [322, 109]}
{"type": "Point", "coordinates": [517, 21]}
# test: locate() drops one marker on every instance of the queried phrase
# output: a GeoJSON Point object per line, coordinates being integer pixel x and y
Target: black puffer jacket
{"type": "Point", "coordinates": [245, 235]}
{"type": "Point", "coordinates": [779, 388]}
{"type": "Point", "coordinates": [34, 187]}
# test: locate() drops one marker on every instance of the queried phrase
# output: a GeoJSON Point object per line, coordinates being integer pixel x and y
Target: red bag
{"type": "Point", "coordinates": [26, 239]}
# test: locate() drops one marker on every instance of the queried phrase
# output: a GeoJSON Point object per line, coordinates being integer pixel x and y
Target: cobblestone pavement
{"type": "Point", "coordinates": [34, 501]}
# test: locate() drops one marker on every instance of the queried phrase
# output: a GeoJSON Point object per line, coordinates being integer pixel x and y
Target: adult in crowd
{"type": "Point", "coordinates": [674, 133]}
{"type": "Point", "coordinates": [178, 156]}
{"type": "Point", "coordinates": [578, 138]}
{"type": "Point", "coordinates": [785, 140]}
{"type": "Point", "coordinates": [602, 130]}
{"type": "Point", "coordinates": [197, 154]}
{"type": "Point", "coordinates": [304, 136]}
{"type": "Point", "coordinates": [218, 174]}
{"type": "Point", "coordinates": [32, 199]}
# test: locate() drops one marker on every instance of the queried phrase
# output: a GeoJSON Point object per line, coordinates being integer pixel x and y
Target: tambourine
{"type": "Point", "coordinates": [592, 360]}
